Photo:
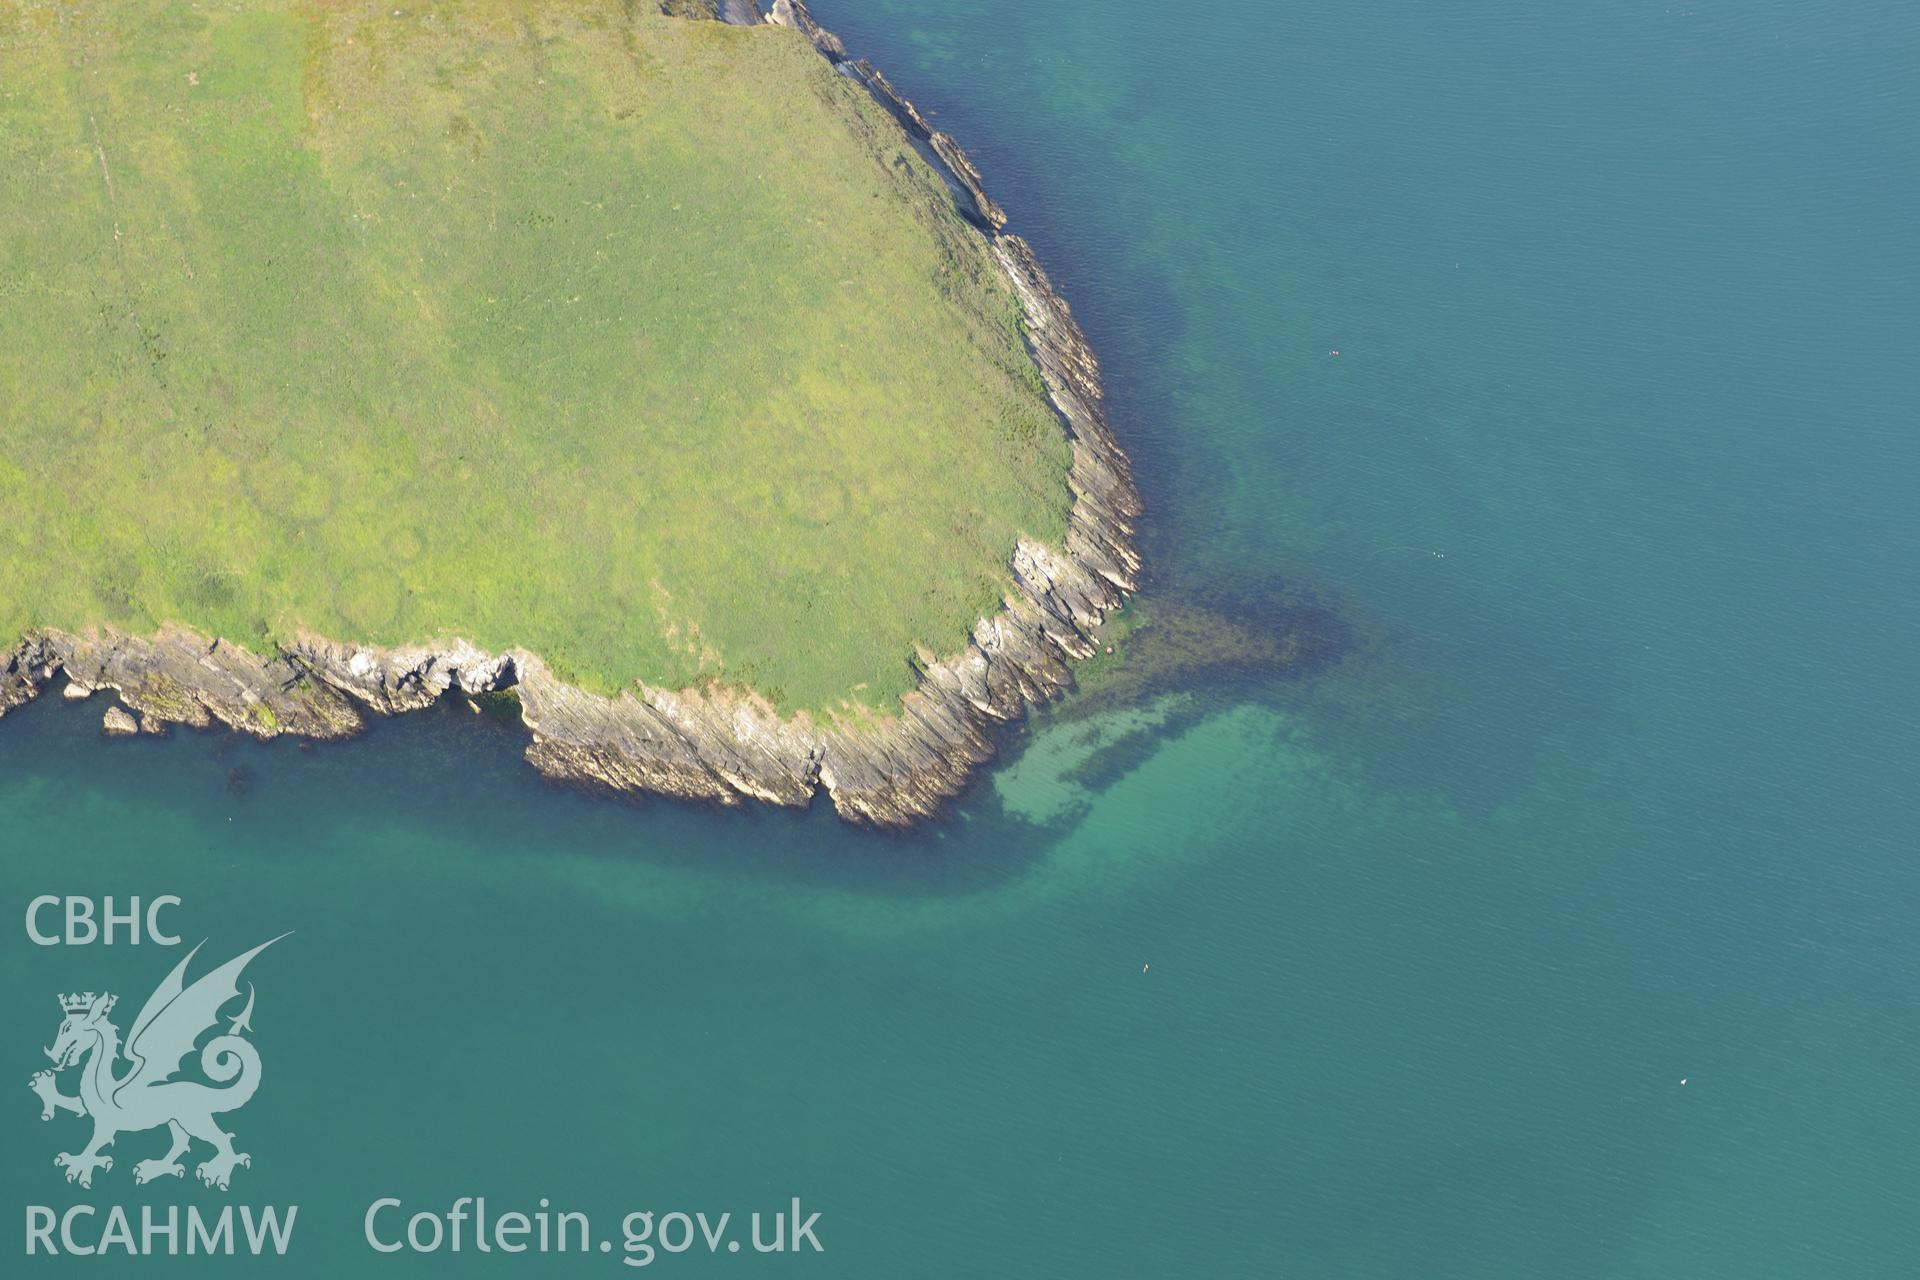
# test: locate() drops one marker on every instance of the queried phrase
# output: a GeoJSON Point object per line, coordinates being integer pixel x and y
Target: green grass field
{"type": "Point", "coordinates": [648, 345]}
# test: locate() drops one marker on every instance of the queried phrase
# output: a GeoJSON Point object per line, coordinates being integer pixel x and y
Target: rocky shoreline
{"type": "Point", "coordinates": [717, 745]}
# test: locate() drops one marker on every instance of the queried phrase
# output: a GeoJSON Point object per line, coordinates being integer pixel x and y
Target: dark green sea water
{"type": "Point", "coordinates": [1613, 785]}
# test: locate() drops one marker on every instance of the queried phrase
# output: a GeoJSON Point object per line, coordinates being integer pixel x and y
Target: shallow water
{"type": "Point", "coordinates": [1390, 968]}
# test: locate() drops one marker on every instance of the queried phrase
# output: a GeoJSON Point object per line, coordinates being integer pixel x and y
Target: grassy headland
{"type": "Point", "coordinates": [645, 344]}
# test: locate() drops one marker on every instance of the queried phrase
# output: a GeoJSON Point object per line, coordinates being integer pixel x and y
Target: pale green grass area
{"type": "Point", "coordinates": [647, 345]}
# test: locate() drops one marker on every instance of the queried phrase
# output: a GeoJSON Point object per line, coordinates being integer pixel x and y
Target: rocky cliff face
{"type": "Point", "coordinates": [716, 744]}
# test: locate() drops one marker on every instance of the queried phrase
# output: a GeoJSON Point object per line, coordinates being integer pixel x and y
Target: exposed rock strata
{"type": "Point", "coordinates": [718, 745]}
{"type": "Point", "coordinates": [978, 205]}
{"type": "Point", "coordinates": [793, 13]}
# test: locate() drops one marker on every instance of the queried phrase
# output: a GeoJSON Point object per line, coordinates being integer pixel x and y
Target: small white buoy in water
{"type": "Point", "coordinates": [1143, 968]}
{"type": "Point", "coordinates": [1683, 1079]}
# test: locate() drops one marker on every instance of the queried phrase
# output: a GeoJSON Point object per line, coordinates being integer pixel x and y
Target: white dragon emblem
{"type": "Point", "coordinates": [146, 1095]}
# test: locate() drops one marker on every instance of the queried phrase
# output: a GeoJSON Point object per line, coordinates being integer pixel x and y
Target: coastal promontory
{"type": "Point", "coordinates": [655, 366]}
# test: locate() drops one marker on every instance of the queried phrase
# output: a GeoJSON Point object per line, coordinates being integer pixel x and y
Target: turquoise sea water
{"type": "Point", "coordinates": [1392, 969]}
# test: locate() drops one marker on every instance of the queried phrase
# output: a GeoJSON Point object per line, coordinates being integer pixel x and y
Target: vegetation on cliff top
{"type": "Point", "coordinates": [648, 345]}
